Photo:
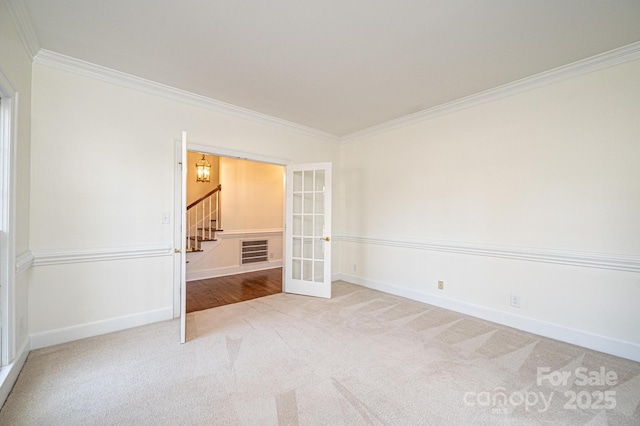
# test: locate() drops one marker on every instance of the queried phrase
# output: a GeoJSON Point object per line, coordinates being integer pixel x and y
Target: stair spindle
{"type": "Point", "coordinates": [217, 211]}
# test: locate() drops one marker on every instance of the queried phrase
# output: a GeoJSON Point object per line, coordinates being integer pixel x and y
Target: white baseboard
{"type": "Point", "coordinates": [585, 339]}
{"type": "Point", "coordinates": [96, 328]}
{"type": "Point", "coordinates": [232, 270]}
{"type": "Point", "coordinates": [9, 373]}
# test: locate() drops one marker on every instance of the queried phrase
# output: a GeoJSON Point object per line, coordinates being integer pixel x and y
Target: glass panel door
{"type": "Point", "coordinates": [308, 230]}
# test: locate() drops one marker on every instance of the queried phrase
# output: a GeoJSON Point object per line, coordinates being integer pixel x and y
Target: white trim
{"type": "Point", "coordinates": [24, 262]}
{"type": "Point", "coordinates": [65, 256]}
{"type": "Point", "coordinates": [613, 57]}
{"type": "Point", "coordinates": [96, 328]}
{"type": "Point", "coordinates": [618, 262]}
{"type": "Point", "coordinates": [98, 72]}
{"type": "Point", "coordinates": [9, 373]}
{"type": "Point", "coordinates": [179, 243]}
{"type": "Point", "coordinates": [585, 339]}
{"type": "Point", "coordinates": [233, 270]}
{"type": "Point", "coordinates": [181, 256]}
{"type": "Point", "coordinates": [239, 155]}
{"type": "Point", "coordinates": [8, 166]}
{"type": "Point", "coordinates": [249, 233]}
{"type": "Point", "coordinates": [24, 26]}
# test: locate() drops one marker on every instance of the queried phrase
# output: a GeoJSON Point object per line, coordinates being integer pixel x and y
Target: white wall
{"type": "Point", "coordinates": [15, 64]}
{"type": "Point", "coordinates": [102, 174]}
{"type": "Point", "coordinates": [548, 172]}
{"type": "Point", "coordinates": [15, 70]}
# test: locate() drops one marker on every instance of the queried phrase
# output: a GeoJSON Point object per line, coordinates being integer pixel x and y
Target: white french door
{"type": "Point", "coordinates": [308, 230]}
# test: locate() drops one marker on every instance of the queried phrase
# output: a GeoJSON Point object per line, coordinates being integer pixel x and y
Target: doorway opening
{"type": "Point", "coordinates": [235, 231]}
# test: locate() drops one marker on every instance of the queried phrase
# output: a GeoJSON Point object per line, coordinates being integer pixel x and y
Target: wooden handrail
{"type": "Point", "coordinates": [208, 194]}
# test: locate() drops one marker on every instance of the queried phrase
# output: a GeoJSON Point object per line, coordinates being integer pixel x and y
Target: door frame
{"type": "Point", "coordinates": [240, 155]}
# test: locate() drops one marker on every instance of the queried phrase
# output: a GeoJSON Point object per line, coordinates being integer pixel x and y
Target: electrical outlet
{"type": "Point", "coordinates": [354, 268]}
{"type": "Point", "coordinates": [440, 285]}
{"type": "Point", "coordinates": [515, 301]}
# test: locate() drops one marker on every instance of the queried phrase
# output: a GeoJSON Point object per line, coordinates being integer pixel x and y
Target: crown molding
{"type": "Point", "coordinates": [22, 20]}
{"type": "Point", "coordinates": [67, 256]}
{"type": "Point", "coordinates": [88, 69]}
{"type": "Point", "coordinates": [611, 58]}
{"type": "Point", "coordinates": [618, 262]}
{"type": "Point", "coordinates": [608, 59]}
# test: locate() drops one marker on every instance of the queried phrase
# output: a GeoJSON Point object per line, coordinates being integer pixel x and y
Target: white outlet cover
{"type": "Point", "coordinates": [515, 301]}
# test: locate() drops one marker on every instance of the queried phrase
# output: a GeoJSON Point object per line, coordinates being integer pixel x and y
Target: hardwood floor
{"type": "Point", "coordinates": [212, 292]}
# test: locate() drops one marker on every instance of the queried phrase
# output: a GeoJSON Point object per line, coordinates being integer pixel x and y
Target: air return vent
{"type": "Point", "coordinates": [254, 251]}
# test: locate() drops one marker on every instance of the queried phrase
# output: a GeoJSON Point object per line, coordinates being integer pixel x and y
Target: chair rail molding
{"type": "Point", "coordinates": [24, 262]}
{"type": "Point", "coordinates": [67, 256]}
{"type": "Point", "coordinates": [250, 233]}
{"type": "Point", "coordinates": [619, 262]}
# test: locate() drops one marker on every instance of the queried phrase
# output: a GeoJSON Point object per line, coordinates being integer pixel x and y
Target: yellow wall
{"type": "Point", "coordinates": [252, 195]}
{"type": "Point", "coordinates": [196, 189]}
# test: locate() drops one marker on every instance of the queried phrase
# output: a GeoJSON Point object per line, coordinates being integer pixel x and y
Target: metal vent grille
{"type": "Point", "coordinates": [254, 251]}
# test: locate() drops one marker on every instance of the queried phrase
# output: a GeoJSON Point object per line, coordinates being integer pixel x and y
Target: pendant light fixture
{"type": "Point", "coordinates": [204, 170]}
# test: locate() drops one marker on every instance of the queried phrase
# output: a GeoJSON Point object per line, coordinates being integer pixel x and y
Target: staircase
{"type": "Point", "coordinates": [203, 220]}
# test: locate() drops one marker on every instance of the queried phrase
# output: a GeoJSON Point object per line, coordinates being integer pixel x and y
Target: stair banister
{"type": "Point", "coordinates": [207, 232]}
{"type": "Point", "coordinates": [208, 194]}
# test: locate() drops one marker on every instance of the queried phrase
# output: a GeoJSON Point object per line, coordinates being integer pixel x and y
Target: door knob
{"type": "Point", "coordinates": [327, 239]}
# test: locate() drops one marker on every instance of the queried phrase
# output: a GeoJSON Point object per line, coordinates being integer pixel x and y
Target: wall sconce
{"type": "Point", "coordinates": [204, 170]}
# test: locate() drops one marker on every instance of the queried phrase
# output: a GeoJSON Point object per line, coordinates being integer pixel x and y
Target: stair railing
{"type": "Point", "coordinates": [204, 208]}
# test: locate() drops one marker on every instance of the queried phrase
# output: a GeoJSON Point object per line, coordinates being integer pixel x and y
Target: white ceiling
{"type": "Point", "coordinates": [339, 66]}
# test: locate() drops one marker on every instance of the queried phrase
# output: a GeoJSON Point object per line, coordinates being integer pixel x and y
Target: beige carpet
{"type": "Point", "coordinates": [363, 357]}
